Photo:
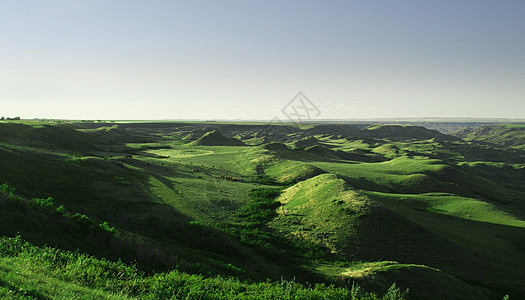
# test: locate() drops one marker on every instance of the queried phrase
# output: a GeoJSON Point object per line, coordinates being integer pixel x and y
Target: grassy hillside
{"type": "Point", "coordinates": [404, 132]}
{"type": "Point", "coordinates": [326, 211]}
{"type": "Point", "coordinates": [215, 138]}
{"type": "Point", "coordinates": [218, 209]}
{"type": "Point", "coordinates": [506, 135]}
{"type": "Point", "coordinates": [32, 272]}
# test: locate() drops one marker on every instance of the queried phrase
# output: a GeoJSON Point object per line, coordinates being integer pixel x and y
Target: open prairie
{"type": "Point", "coordinates": [213, 210]}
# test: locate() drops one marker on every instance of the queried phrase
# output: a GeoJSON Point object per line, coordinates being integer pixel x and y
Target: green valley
{"type": "Point", "coordinates": [218, 210]}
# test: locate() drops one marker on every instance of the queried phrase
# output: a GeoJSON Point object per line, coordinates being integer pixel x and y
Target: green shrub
{"type": "Point", "coordinates": [82, 222]}
{"type": "Point", "coordinates": [250, 229]}
{"type": "Point", "coordinates": [44, 203]}
{"type": "Point", "coordinates": [261, 205]}
{"type": "Point", "coordinates": [395, 293]}
{"type": "Point", "coordinates": [105, 226]}
{"type": "Point", "coordinates": [12, 246]}
{"type": "Point", "coordinates": [61, 210]}
{"type": "Point", "coordinates": [6, 189]}
{"type": "Point", "coordinates": [6, 192]}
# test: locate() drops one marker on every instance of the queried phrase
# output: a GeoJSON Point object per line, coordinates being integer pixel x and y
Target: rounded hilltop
{"type": "Point", "coordinates": [215, 138]}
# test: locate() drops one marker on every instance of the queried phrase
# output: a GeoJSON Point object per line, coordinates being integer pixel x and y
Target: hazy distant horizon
{"type": "Point", "coordinates": [203, 60]}
{"type": "Point", "coordinates": [285, 121]}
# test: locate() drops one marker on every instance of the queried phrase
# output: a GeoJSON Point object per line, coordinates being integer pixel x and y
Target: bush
{"type": "Point", "coordinates": [261, 205]}
{"type": "Point", "coordinates": [105, 226]}
{"type": "Point", "coordinates": [395, 293]}
{"type": "Point", "coordinates": [250, 229]}
{"type": "Point", "coordinates": [6, 191]}
{"type": "Point", "coordinates": [61, 209]}
{"type": "Point", "coordinates": [44, 203]}
{"type": "Point", "coordinates": [12, 246]}
{"type": "Point", "coordinates": [82, 222]}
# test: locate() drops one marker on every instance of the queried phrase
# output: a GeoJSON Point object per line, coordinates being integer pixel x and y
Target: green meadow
{"type": "Point", "coordinates": [217, 210]}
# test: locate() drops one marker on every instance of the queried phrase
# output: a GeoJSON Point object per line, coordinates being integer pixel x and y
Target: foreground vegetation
{"type": "Point", "coordinates": [29, 271]}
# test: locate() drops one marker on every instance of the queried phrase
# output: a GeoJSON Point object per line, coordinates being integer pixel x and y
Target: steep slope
{"type": "Point", "coordinates": [56, 137]}
{"type": "Point", "coordinates": [324, 210]}
{"type": "Point", "coordinates": [307, 142]}
{"type": "Point", "coordinates": [506, 135]}
{"type": "Point", "coordinates": [410, 228]}
{"type": "Point", "coordinates": [29, 272]}
{"type": "Point", "coordinates": [215, 138]}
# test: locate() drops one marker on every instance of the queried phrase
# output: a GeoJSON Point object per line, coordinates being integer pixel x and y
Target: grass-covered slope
{"type": "Point", "coordinates": [440, 215]}
{"type": "Point", "coordinates": [27, 271]}
{"type": "Point", "coordinates": [215, 138]}
{"type": "Point", "coordinates": [404, 132]}
{"type": "Point", "coordinates": [306, 142]}
{"type": "Point", "coordinates": [506, 135]}
{"type": "Point", "coordinates": [399, 174]}
{"type": "Point", "coordinates": [320, 209]}
{"type": "Point", "coordinates": [325, 211]}
{"type": "Point", "coordinates": [45, 136]}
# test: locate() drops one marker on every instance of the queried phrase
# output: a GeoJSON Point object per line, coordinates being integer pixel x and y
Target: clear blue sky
{"type": "Point", "coordinates": [116, 59]}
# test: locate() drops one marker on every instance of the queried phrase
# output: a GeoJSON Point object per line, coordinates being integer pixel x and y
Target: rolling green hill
{"type": "Point", "coordinates": [404, 132]}
{"type": "Point", "coordinates": [506, 135]}
{"type": "Point", "coordinates": [307, 142]}
{"type": "Point", "coordinates": [215, 138]}
{"type": "Point", "coordinates": [242, 209]}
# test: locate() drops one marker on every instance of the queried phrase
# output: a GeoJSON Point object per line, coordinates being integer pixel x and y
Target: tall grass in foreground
{"type": "Point", "coordinates": [107, 279]}
{"type": "Point", "coordinates": [29, 271]}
